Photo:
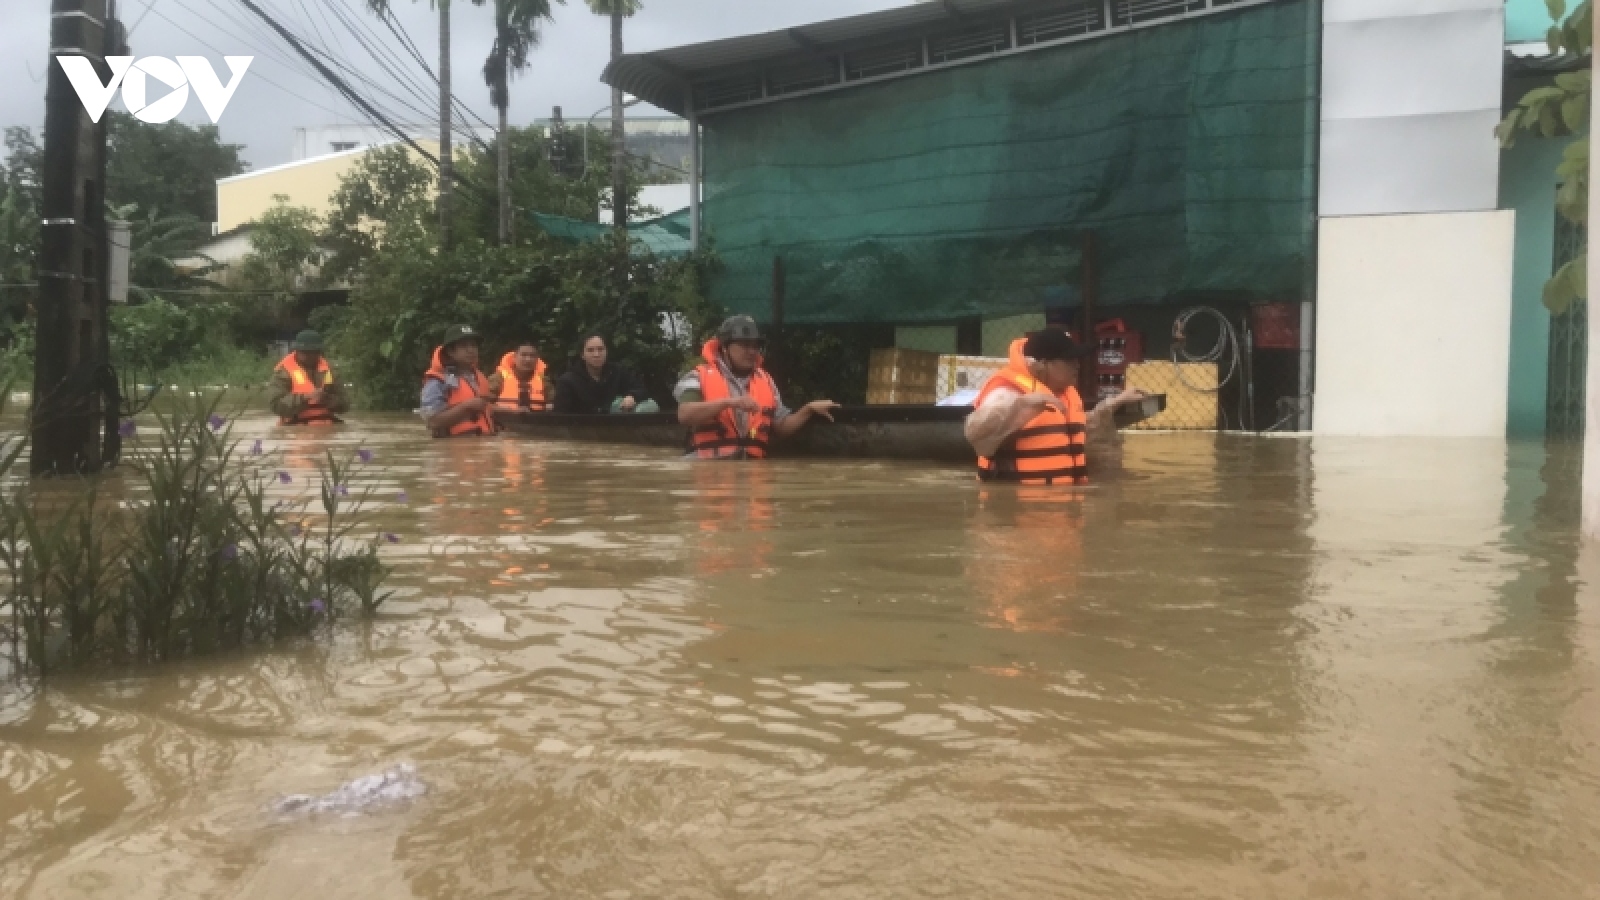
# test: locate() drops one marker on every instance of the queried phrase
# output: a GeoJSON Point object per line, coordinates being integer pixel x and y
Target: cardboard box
{"type": "Point", "coordinates": [897, 376]}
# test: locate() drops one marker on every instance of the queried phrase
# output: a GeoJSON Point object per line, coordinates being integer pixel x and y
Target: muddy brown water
{"type": "Point", "coordinates": [1251, 667]}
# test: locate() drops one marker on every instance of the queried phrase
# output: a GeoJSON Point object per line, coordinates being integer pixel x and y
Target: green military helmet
{"type": "Point", "coordinates": [739, 328]}
{"type": "Point", "coordinates": [308, 341]}
{"type": "Point", "coordinates": [459, 333]}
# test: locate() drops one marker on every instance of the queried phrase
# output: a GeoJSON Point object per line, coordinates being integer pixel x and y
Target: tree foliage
{"type": "Point", "coordinates": [407, 290]}
{"type": "Point", "coordinates": [171, 167]}
{"type": "Point", "coordinates": [1561, 109]}
{"type": "Point", "coordinates": [20, 201]}
{"type": "Point", "coordinates": [284, 254]}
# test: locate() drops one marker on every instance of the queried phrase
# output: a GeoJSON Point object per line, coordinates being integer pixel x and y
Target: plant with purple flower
{"type": "Point", "coordinates": [317, 606]}
{"type": "Point", "coordinates": [364, 455]}
{"type": "Point", "coordinates": [283, 478]}
{"type": "Point", "coordinates": [216, 422]}
{"type": "Point", "coordinates": [127, 429]}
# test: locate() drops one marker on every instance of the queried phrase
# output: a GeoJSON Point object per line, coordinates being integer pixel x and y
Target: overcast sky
{"type": "Point", "coordinates": [276, 96]}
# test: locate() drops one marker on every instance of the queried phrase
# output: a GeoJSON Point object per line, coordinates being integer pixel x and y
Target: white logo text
{"type": "Point", "coordinates": [134, 77]}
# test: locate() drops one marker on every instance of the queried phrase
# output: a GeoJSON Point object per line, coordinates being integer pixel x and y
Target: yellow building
{"type": "Point", "coordinates": [310, 183]}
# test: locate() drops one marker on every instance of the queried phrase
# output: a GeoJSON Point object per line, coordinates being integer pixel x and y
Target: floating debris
{"type": "Point", "coordinates": [369, 793]}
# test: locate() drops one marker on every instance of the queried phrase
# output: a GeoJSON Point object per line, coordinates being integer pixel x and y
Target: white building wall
{"type": "Point", "coordinates": [1412, 323]}
{"type": "Point", "coordinates": [1414, 269]}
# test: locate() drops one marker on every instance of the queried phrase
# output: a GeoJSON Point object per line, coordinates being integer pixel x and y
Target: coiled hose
{"type": "Point", "coordinates": [1228, 351]}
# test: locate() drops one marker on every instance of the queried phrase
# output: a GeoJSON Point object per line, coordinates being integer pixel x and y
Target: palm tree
{"type": "Point", "coordinates": [447, 167]}
{"type": "Point", "coordinates": [516, 33]}
{"type": "Point", "coordinates": [617, 10]}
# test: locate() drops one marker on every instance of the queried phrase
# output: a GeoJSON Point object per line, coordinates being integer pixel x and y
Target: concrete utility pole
{"type": "Point", "coordinates": [1591, 401]}
{"type": "Point", "coordinates": [71, 366]}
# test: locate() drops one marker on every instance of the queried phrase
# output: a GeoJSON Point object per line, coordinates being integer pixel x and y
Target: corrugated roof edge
{"type": "Point", "coordinates": [661, 77]}
{"type": "Point", "coordinates": [665, 78]}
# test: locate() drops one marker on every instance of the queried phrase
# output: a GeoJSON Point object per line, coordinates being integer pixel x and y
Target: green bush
{"type": "Point", "coordinates": [551, 291]}
{"type": "Point", "coordinates": [193, 559]}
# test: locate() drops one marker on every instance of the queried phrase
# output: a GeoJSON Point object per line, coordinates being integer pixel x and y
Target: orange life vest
{"type": "Point", "coordinates": [467, 387]}
{"type": "Point", "coordinates": [305, 385]}
{"type": "Point", "coordinates": [722, 438]}
{"type": "Point", "coordinates": [516, 394]}
{"type": "Point", "coordinates": [1049, 449]}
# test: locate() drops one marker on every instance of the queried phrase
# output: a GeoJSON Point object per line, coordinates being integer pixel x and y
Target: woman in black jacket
{"type": "Point", "coordinates": [594, 387]}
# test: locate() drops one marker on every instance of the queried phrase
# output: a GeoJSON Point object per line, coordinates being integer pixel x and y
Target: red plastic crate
{"type": "Point", "coordinates": [1117, 346]}
{"type": "Point", "coordinates": [1276, 326]}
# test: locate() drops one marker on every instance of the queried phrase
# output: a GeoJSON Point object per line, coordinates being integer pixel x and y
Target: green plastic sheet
{"type": "Point", "coordinates": [1188, 149]}
{"type": "Point", "coordinates": [667, 236]}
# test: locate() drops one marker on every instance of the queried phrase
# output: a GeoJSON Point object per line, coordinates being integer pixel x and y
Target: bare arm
{"type": "Point", "coordinates": [1000, 416]}
{"type": "Point", "coordinates": [1102, 420]}
{"type": "Point", "coordinates": [704, 412]}
{"type": "Point", "coordinates": [797, 420]}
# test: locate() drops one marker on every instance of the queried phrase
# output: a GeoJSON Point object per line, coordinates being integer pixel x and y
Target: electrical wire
{"type": "Point", "coordinates": [1227, 350]}
{"type": "Point", "coordinates": [300, 67]}
{"type": "Point", "coordinates": [397, 69]}
{"type": "Point", "coordinates": [399, 31]}
{"type": "Point", "coordinates": [264, 78]}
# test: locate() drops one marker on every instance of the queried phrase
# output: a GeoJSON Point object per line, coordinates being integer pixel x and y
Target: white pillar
{"type": "Point", "coordinates": [1591, 402]}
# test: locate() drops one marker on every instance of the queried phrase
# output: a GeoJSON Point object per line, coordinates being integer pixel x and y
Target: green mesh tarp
{"type": "Point", "coordinates": [667, 236]}
{"type": "Point", "coordinates": [1187, 148]}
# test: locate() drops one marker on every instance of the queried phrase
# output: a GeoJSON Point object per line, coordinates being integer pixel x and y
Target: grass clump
{"type": "Point", "coordinates": [182, 553]}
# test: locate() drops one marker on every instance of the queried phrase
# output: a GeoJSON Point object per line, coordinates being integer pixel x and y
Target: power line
{"type": "Point", "coordinates": [336, 81]}
{"type": "Point", "coordinates": [259, 37]}
{"type": "Point", "coordinates": [345, 89]}
{"type": "Point", "coordinates": [397, 68]}
{"type": "Point", "coordinates": [148, 5]}
{"type": "Point", "coordinates": [399, 31]}
{"type": "Point", "coordinates": [213, 49]}
{"type": "Point", "coordinates": [265, 40]}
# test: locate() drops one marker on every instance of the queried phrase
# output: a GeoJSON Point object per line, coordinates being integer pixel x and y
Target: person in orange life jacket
{"type": "Point", "coordinates": [457, 401]}
{"type": "Point", "coordinates": [731, 405]}
{"type": "Point", "coordinates": [522, 382]}
{"type": "Point", "coordinates": [303, 390]}
{"type": "Point", "coordinates": [1029, 424]}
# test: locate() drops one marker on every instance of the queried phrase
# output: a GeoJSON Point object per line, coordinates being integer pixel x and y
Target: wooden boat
{"type": "Point", "coordinates": [857, 432]}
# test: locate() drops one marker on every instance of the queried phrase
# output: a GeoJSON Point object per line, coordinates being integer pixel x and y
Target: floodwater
{"type": "Point", "coordinates": [1250, 668]}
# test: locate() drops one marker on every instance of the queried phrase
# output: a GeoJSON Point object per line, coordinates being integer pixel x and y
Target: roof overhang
{"type": "Point", "coordinates": [910, 40]}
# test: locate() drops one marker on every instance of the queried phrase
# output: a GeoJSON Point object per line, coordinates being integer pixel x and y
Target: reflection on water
{"type": "Point", "coordinates": [1248, 668]}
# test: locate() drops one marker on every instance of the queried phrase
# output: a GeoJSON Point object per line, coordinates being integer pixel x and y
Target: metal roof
{"type": "Point", "coordinates": [665, 77]}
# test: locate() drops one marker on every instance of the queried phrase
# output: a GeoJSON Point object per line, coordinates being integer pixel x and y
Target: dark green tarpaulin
{"type": "Point", "coordinates": [667, 236]}
{"type": "Point", "coordinates": [1188, 149]}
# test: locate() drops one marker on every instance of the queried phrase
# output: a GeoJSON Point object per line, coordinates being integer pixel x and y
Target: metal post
{"type": "Point", "coordinates": [1108, 13]}
{"type": "Point", "coordinates": [1312, 152]}
{"type": "Point", "coordinates": [1308, 325]}
{"type": "Point", "coordinates": [694, 173]}
{"type": "Point", "coordinates": [70, 360]}
{"type": "Point", "coordinates": [1088, 371]}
